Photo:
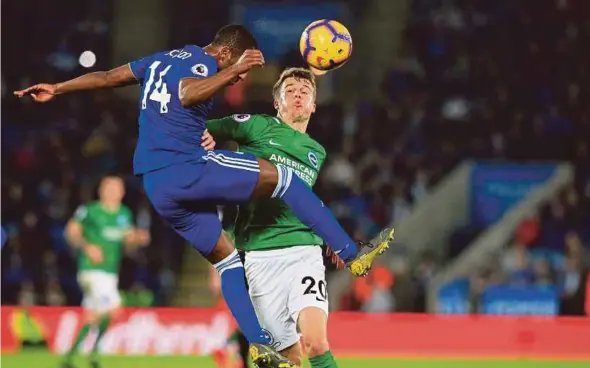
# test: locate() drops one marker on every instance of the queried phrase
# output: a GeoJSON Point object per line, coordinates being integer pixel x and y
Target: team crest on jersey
{"type": "Point", "coordinates": [122, 220]}
{"type": "Point", "coordinates": [241, 118]}
{"type": "Point", "coordinates": [200, 70]}
{"type": "Point", "coordinates": [313, 159]}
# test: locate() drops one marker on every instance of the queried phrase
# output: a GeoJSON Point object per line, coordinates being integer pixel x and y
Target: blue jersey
{"type": "Point", "coordinates": [169, 133]}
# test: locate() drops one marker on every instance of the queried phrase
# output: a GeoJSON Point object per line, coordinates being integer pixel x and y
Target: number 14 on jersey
{"type": "Point", "coordinates": [160, 89]}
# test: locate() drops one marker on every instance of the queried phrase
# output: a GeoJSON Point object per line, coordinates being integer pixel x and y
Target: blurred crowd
{"type": "Point", "coordinates": [485, 79]}
{"type": "Point", "coordinates": [475, 79]}
{"type": "Point", "coordinates": [549, 250]}
{"type": "Point", "coordinates": [53, 156]}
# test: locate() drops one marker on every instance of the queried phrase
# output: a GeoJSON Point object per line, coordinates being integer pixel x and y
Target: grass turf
{"type": "Point", "coordinates": [42, 359]}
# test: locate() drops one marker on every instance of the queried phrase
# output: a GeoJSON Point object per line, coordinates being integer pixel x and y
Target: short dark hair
{"type": "Point", "coordinates": [236, 37]}
{"type": "Point", "coordinates": [297, 73]}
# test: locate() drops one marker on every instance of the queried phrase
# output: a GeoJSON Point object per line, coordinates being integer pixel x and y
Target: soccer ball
{"type": "Point", "coordinates": [325, 44]}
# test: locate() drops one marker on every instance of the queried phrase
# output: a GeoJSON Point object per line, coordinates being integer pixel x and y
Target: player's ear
{"type": "Point", "coordinates": [226, 54]}
{"type": "Point", "coordinates": [275, 103]}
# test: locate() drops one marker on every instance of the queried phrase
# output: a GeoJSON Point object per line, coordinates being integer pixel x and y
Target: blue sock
{"type": "Point", "coordinates": [233, 287]}
{"type": "Point", "coordinates": [311, 211]}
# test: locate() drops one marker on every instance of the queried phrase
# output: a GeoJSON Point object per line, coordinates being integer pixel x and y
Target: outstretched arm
{"type": "Point", "coordinates": [118, 77]}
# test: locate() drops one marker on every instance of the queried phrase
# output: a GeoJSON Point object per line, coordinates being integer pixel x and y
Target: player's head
{"type": "Point", "coordinates": [294, 95]}
{"type": "Point", "coordinates": [230, 42]}
{"type": "Point", "coordinates": [111, 189]}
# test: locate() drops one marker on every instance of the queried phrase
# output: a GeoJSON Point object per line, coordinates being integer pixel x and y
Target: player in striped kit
{"type": "Point", "coordinates": [99, 231]}
{"type": "Point", "coordinates": [284, 262]}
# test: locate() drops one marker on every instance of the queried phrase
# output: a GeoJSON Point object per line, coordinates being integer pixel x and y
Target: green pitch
{"type": "Point", "coordinates": [47, 360]}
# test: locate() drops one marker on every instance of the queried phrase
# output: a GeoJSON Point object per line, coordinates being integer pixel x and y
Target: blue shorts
{"type": "Point", "coordinates": [187, 194]}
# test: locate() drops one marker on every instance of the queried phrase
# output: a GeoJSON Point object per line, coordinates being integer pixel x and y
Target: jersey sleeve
{"type": "Point", "coordinates": [204, 66]}
{"type": "Point", "coordinates": [139, 66]}
{"type": "Point", "coordinates": [81, 214]}
{"type": "Point", "coordinates": [322, 158]}
{"type": "Point", "coordinates": [241, 128]}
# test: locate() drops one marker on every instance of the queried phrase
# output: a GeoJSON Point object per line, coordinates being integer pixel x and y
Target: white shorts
{"type": "Point", "coordinates": [101, 291]}
{"type": "Point", "coordinates": [282, 283]}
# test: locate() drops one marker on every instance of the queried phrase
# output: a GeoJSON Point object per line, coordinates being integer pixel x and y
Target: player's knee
{"type": "Point", "coordinates": [223, 249]}
{"type": "Point", "coordinates": [268, 179]}
{"type": "Point", "coordinates": [315, 345]}
{"type": "Point", "coordinates": [312, 322]}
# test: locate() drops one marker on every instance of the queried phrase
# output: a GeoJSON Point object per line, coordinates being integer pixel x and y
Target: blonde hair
{"type": "Point", "coordinates": [298, 74]}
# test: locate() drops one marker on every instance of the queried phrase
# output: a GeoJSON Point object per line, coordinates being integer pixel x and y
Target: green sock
{"type": "Point", "coordinates": [103, 325]}
{"type": "Point", "coordinates": [81, 336]}
{"type": "Point", "coordinates": [325, 360]}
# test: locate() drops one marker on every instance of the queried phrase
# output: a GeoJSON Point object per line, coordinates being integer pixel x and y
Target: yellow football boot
{"type": "Point", "coordinates": [368, 252]}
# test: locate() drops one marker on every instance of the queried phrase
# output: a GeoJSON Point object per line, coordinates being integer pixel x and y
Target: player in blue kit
{"type": "Point", "coordinates": [185, 183]}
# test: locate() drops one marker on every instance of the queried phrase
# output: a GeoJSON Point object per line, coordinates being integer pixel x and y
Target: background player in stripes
{"type": "Point", "coordinates": [284, 262]}
{"type": "Point", "coordinates": [99, 230]}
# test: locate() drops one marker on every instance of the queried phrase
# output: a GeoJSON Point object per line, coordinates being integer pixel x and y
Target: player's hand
{"type": "Point", "coordinates": [137, 237]}
{"type": "Point", "coordinates": [249, 59]}
{"type": "Point", "coordinates": [142, 237]}
{"type": "Point", "coordinates": [42, 92]}
{"type": "Point", "coordinates": [207, 141]}
{"type": "Point", "coordinates": [94, 253]}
